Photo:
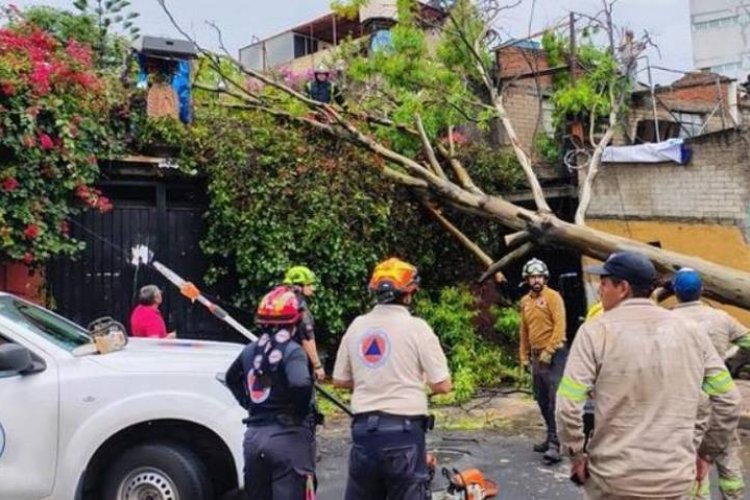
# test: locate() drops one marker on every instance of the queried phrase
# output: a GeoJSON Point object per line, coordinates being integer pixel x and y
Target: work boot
{"type": "Point", "coordinates": [552, 455]}
{"type": "Point", "coordinates": [541, 447]}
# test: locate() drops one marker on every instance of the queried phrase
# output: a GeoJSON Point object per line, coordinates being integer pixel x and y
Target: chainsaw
{"type": "Point", "coordinates": [468, 484]}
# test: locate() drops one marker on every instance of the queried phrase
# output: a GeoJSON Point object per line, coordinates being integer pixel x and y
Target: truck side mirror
{"type": "Point", "coordinates": [17, 360]}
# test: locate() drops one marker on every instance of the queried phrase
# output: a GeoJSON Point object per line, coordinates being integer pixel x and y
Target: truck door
{"type": "Point", "coordinates": [28, 426]}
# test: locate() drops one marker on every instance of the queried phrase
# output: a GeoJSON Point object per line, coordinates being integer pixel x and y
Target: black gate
{"type": "Point", "coordinates": [168, 218]}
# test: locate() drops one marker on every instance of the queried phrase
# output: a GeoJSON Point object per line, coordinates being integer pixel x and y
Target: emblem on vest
{"type": "Point", "coordinates": [374, 348]}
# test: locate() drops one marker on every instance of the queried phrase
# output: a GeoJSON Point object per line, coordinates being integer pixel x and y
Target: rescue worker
{"type": "Point", "coordinates": [647, 367]}
{"type": "Point", "coordinates": [386, 356]}
{"type": "Point", "coordinates": [322, 89]}
{"type": "Point", "coordinates": [272, 380]}
{"type": "Point", "coordinates": [302, 280]}
{"type": "Point", "coordinates": [542, 335]}
{"type": "Point", "coordinates": [724, 331]}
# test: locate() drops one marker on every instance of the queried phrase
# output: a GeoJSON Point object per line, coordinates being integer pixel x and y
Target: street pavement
{"type": "Point", "coordinates": [502, 452]}
{"type": "Point", "coordinates": [508, 460]}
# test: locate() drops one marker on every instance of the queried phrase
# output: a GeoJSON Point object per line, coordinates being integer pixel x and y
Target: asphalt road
{"type": "Point", "coordinates": [504, 457]}
{"type": "Point", "coordinates": [508, 460]}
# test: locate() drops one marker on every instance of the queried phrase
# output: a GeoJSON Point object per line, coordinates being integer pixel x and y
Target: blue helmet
{"type": "Point", "coordinates": [687, 285]}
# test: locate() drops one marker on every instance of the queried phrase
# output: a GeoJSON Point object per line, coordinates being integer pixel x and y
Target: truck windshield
{"type": "Point", "coordinates": [52, 327]}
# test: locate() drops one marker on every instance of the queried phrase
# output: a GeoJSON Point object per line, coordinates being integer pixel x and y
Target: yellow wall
{"type": "Point", "coordinates": [717, 243]}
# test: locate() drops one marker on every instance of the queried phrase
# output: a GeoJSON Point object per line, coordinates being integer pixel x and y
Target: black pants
{"type": "Point", "coordinates": [387, 459]}
{"type": "Point", "coordinates": [279, 462]}
{"type": "Point", "coordinates": [546, 379]}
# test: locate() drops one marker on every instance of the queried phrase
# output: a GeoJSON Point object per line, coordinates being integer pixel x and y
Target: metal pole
{"type": "Point", "coordinates": [720, 96]}
{"type": "Point", "coordinates": [572, 58]}
{"type": "Point", "coordinates": [653, 100]}
{"type": "Point", "coordinates": [220, 313]}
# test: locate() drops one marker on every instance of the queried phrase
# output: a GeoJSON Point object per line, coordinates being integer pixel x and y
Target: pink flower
{"type": "Point", "coordinates": [103, 204]}
{"type": "Point", "coordinates": [28, 258]}
{"type": "Point", "coordinates": [28, 141]}
{"type": "Point", "coordinates": [45, 142]}
{"type": "Point", "coordinates": [9, 184]}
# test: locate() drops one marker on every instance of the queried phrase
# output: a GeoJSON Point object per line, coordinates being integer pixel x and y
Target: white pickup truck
{"type": "Point", "coordinates": [151, 421]}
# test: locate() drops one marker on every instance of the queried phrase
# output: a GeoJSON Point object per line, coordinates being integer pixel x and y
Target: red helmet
{"type": "Point", "coordinates": [280, 306]}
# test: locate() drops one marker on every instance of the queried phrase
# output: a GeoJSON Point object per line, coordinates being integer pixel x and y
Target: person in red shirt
{"type": "Point", "coordinates": [146, 320]}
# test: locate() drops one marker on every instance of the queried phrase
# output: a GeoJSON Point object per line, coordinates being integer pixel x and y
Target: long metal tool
{"type": "Point", "coordinates": [142, 255]}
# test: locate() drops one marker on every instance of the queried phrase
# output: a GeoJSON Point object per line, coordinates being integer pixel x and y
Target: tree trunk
{"type": "Point", "coordinates": [719, 282]}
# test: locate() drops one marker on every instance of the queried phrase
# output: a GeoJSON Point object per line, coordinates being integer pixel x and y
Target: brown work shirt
{"type": "Point", "coordinates": [723, 329]}
{"type": "Point", "coordinates": [542, 323]}
{"type": "Point", "coordinates": [647, 366]}
{"type": "Point", "coordinates": [388, 354]}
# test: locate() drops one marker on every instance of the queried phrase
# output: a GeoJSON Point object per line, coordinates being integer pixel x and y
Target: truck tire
{"type": "Point", "coordinates": [159, 471]}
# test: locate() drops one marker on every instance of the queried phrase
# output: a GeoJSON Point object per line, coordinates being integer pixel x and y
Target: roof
{"type": "Point", "coordinates": [696, 78]}
{"type": "Point", "coordinates": [322, 27]}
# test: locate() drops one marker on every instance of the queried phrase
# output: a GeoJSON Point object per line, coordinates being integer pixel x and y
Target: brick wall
{"type": "Point", "coordinates": [513, 62]}
{"type": "Point", "coordinates": [713, 187]}
{"type": "Point", "coordinates": [522, 106]}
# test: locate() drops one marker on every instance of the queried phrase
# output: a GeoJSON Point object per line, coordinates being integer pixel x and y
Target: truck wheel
{"type": "Point", "coordinates": [158, 471]}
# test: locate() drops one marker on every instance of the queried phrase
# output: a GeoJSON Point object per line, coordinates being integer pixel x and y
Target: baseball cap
{"type": "Point", "coordinates": [687, 284]}
{"type": "Point", "coordinates": [629, 266]}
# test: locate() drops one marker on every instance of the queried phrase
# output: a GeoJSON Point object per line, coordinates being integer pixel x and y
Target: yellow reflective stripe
{"type": "Point", "coordinates": [743, 342]}
{"type": "Point", "coordinates": [570, 389]}
{"type": "Point", "coordinates": [719, 383]}
{"type": "Point", "coordinates": [731, 483]}
{"type": "Point", "coordinates": [700, 490]}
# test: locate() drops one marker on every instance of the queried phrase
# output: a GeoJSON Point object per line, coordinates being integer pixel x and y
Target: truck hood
{"type": "Point", "coordinates": [171, 356]}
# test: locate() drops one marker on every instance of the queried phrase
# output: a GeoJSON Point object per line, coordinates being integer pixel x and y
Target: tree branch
{"type": "Point", "coordinates": [509, 257]}
{"type": "Point", "coordinates": [427, 146]}
{"type": "Point", "coordinates": [464, 240]}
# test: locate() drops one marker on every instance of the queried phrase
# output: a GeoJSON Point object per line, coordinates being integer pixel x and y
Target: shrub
{"type": "Point", "coordinates": [51, 133]}
{"type": "Point", "coordinates": [474, 363]}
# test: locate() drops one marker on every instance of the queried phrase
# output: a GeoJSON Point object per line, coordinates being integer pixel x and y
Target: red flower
{"type": "Point", "coordinates": [40, 77]}
{"type": "Point", "coordinates": [82, 191]}
{"type": "Point", "coordinates": [79, 53]}
{"type": "Point", "coordinates": [45, 142]}
{"type": "Point", "coordinates": [8, 88]}
{"type": "Point", "coordinates": [64, 227]}
{"type": "Point", "coordinates": [9, 184]}
{"type": "Point", "coordinates": [28, 258]}
{"type": "Point", "coordinates": [31, 231]}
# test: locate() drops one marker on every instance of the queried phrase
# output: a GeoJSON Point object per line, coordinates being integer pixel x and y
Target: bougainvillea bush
{"type": "Point", "coordinates": [55, 121]}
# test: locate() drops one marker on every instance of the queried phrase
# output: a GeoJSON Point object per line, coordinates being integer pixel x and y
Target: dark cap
{"type": "Point", "coordinates": [629, 266]}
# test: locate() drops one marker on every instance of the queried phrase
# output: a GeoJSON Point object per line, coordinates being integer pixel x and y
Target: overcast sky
{"type": "Point", "coordinates": [240, 20]}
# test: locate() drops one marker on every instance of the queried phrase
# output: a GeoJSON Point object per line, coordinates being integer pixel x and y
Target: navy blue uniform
{"type": "Point", "coordinates": [272, 380]}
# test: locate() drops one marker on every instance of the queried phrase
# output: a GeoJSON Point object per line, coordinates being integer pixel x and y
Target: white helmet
{"type": "Point", "coordinates": [535, 267]}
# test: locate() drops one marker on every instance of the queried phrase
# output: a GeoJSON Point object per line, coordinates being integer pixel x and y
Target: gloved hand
{"type": "Point", "coordinates": [545, 357]}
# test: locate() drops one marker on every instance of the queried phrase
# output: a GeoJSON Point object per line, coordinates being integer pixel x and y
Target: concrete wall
{"type": "Point", "coordinates": [714, 187]}
{"type": "Point", "coordinates": [720, 35]}
{"type": "Point", "coordinates": [723, 244]}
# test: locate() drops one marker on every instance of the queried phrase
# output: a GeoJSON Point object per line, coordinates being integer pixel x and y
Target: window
{"type": "Point", "coordinates": [723, 22]}
{"type": "Point", "coordinates": [690, 123]}
{"type": "Point", "coordinates": [304, 45]}
{"type": "Point", "coordinates": [46, 324]}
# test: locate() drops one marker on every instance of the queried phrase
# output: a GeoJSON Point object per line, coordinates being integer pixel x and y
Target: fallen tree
{"type": "Point", "coordinates": [408, 102]}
